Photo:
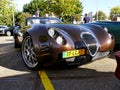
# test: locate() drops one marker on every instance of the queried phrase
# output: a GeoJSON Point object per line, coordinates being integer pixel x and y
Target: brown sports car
{"type": "Point", "coordinates": [48, 41]}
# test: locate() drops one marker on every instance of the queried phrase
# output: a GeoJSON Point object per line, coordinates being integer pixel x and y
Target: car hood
{"type": "Point", "coordinates": [73, 30]}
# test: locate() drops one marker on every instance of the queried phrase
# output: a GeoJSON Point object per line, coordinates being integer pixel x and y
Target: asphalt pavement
{"type": "Point", "coordinates": [14, 75]}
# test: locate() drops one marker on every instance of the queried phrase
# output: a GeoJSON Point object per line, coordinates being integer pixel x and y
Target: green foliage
{"type": "Point", "coordinates": [34, 5]}
{"type": "Point", "coordinates": [22, 16]}
{"type": "Point", "coordinates": [5, 20]}
{"type": "Point", "coordinates": [23, 29]}
{"type": "Point", "coordinates": [64, 9]}
{"type": "Point", "coordinates": [7, 8]}
{"type": "Point", "coordinates": [115, 10]}
{"type": "Point", "coordinates": [101, 15]}
{"type": "Point", "coordinates": [77, 17]}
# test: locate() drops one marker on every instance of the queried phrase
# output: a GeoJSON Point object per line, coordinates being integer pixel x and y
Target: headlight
{"type": "Point", "coordinates": [51, 32]}
{"type": "Point", "coordinates": [59, 40]}
{"type": "Point", "coordinates": [57, 35]}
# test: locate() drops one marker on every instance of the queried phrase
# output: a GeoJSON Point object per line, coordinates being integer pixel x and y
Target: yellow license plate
{"type": "Point", "coordinates": [73, 53]}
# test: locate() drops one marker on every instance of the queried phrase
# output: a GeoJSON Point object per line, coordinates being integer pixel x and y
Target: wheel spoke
{"type": "Point", "coordinates": [28, 53]}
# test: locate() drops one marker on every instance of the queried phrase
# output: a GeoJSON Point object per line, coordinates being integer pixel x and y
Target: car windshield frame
{"type": "Point", "coordinates": [41, 20]}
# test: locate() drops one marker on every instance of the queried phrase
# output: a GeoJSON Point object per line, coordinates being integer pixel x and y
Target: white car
{"type": "Point", "coordinates": [4, 30]}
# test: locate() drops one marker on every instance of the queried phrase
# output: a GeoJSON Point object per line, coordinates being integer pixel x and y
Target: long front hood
{"type": "Point", "coordinates": [73, 30]}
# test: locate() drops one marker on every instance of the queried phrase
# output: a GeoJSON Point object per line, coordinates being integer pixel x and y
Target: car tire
{"type": "Point", "coordinates": [8, 33]}
{"type": "Point", "coordinates": [28, 54]}
{"type": "Point", "coordinates": [16, 43]}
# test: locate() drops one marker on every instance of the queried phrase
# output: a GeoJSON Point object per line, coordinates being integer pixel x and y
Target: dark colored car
{"type": "Point", "coordinates": [4, 30]}
{"type": "Point", "coordinates": [43, 44]}
{"type": "Point", "coordinates": [113, 27]}
{"type": "Point", "coordinates": [18, 31]}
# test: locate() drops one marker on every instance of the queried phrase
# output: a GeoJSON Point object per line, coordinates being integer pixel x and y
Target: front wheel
{"type": "Point", "coordinates": [28, 54]}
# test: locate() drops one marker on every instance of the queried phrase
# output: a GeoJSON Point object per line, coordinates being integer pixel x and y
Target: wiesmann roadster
{"type": "Point", "coordinates": [46, 41]}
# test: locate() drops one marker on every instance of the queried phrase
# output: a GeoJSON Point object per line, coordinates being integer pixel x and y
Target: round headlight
{"type": "Point", "coordinates": [59, 40]}
{"type": "Point", "coordinates": [51, 32]}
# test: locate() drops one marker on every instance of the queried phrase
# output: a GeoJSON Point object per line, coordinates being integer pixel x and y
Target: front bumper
{"type": "Point", "coordinates": [48, 54]}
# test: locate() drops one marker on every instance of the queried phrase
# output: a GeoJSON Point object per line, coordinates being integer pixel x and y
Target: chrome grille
{"type": "Point", "coordinates": [91, 42]}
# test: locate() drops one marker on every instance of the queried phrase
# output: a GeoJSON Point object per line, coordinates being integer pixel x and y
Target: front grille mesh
{"type": "Point", "coordinates": [91, 42]}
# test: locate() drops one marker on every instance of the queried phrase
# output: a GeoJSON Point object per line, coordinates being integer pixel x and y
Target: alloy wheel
{"type": "Point", "coordinates": [28, 54]}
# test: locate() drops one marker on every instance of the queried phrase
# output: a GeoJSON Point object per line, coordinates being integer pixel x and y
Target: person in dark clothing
{"type": "Point", "coordinates": [86, 19]}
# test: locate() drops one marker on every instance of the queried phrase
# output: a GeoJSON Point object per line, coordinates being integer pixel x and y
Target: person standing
{"type": "Point", "coordinates": [36, 14]}
{"type": "Point", "coordinates": [74, 21]}
{"type": "Point", "coordinates": [86, 19]}
{"type": "Point", "coordinates": [52, 15]}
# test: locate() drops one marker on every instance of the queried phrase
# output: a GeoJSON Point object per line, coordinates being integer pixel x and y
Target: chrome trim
{"type": "Point", "coordinates": [91, 44]}
{"type": "Point", "coordinates": [101, 55]}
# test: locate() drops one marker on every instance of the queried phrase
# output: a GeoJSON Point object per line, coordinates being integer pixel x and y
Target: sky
{"type": "Point", "coordinates": [89, 5]}
{"type": "Point", "coordinates": [20, 3]}
{"type": "Point", "coordinates": [96, 5]}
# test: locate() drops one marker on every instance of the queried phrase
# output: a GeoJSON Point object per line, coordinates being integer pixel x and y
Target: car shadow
{"type": "Point", "coordinates": [116, 48]}
{"type": "Point", "coordinates": [76, 73]}
{"type": "Point", "coordinates": [31, 81]}
{"type": "Point", "coordinates": [112, 56]}
{"type": "Point", "coordinates": [12, 63]}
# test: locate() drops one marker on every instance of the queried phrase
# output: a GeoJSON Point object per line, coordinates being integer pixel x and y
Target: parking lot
{"type": "Point", "coordinates": [14, 75]}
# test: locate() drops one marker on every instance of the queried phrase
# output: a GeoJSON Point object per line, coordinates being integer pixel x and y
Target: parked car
{"type": "Point", "coordinates": [2, 29]}
{"type": "Point", "coordinates": [113, 27]}
{"type": "Point", "coordinates": [9, 31]}
{"type": "Point", "coordinates": [18, 31]}
{"type": "Point", "coordinates": [5, 30]}
{"type": "Point", "coordinates": [50, 41]}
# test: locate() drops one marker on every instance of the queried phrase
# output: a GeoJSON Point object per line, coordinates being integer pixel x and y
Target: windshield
{"type": "Point", "coordinates": [42, 21]}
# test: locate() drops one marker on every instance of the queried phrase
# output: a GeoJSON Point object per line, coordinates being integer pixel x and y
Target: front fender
{"type": "Point", "coordinates": [105, 39]}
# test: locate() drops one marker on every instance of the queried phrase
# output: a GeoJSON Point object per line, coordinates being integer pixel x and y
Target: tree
{"type": "Point", "coordinates": [7, 7]}
{"type": "Point", "coordinates": [64, 9]}
{"type": "Point", "coordinates": [115, 10]}
{"type": "Point", "coordinates": [22, 16]}
{"type": "Point", "coordinates": [35, 5]}
{"type": "Point", "coordinates": [101, 15]}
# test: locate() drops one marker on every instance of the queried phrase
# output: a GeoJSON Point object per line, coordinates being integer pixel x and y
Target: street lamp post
{"type": "Point", "coordinates": [13, 18]}
{"type": "Point", "coordinates": [97, 11]}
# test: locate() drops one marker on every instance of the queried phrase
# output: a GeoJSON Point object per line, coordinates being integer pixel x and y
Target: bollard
{"type": "Point", "coordinates": [117, 71]}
